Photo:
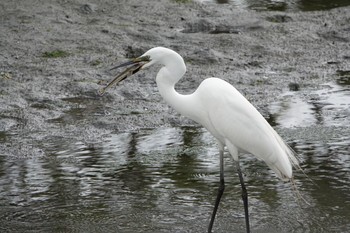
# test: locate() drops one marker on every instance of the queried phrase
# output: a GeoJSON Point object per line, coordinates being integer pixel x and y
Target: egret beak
{"type": "Point", "coordinates": [136, 66]}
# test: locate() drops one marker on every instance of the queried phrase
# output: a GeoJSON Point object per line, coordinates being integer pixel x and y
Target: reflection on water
{"type": "Point", "coordinates": [141, 182]}
{"type": "Point", "coordinates": [283, 5]}
{"type": "Point", "coordinates": [165, 179]}
{"type": "Point", "coordinates": [329, 106]}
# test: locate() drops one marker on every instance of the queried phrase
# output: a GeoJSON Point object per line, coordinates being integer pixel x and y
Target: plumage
{"type": "Point", "coordinates": [224, 112]}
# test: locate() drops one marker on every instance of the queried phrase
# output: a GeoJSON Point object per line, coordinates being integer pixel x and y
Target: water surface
{"type": "Point", "coordinates": [165, 179]}
{"type": "Point", "coordinates": [283, 5]}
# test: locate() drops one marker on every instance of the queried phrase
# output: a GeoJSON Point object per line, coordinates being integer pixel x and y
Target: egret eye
{"type": "Point", "coordinates": [145, 58]}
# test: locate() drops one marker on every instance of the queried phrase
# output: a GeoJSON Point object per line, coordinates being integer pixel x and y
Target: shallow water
{"type": "Point", "coordinates": [165, 179]}
{"type": "Point", "coordinates": [283, 5]}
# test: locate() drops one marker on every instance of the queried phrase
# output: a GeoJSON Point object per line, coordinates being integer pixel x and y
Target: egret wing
{"type": "Point", "coordinates": [236, 123]}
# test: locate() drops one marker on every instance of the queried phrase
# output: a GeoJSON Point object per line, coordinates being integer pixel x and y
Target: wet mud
{"type": "Point", "coordinates": [55, 53]}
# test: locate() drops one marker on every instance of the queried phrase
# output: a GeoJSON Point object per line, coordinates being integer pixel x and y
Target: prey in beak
{"type": "Point", "coordinates": [135, 66]}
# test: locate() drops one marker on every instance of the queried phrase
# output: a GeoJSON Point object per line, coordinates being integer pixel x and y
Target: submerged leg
{"type": "Point", "coordinates": [220, 191]}
{"type": "Point", "coordinates": [244, 197]}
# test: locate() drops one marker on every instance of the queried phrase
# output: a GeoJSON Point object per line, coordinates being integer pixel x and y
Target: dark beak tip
{"type": "Point", "coordinates": [122, 65]}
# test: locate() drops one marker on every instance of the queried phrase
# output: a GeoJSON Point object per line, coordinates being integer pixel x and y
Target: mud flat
{"type": "Point", "coordinates": [54, 53]}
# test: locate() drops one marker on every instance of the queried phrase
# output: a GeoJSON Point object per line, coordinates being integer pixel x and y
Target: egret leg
{"type": "Point", "coordinates": [244, 197]}
{"type": "Point", "coordinates": [220, 191]}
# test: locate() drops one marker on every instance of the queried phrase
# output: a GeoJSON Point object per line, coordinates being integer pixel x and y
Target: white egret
{"type": "Point", "coordinates": [224, 112]}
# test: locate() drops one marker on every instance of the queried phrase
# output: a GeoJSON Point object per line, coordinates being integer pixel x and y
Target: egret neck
{"type": "Point", "coordinates": [166, 79]}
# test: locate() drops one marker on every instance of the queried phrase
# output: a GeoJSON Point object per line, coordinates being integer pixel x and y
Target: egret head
{"type": "Point", "coordinates": [158, 55]}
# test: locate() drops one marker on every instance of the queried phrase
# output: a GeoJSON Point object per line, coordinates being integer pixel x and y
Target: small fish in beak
{"type": "Point", "coordinates": [136, 66]}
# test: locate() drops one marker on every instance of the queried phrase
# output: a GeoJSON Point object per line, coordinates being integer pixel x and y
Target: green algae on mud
{"type": "Point", "coordinates": [55, 54]}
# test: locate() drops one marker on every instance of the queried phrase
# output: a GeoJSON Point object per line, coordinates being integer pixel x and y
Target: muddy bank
{"type": "Point", "coordinates": [53, 54]}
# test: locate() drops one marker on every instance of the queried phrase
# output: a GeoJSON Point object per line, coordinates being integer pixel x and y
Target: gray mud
{"type": "Point", "coordinates": [53, 55]}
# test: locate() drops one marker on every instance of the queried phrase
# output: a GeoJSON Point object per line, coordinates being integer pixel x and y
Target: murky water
{"type": "Point", "coordinates": [165, 179]}
{"type": "Point", "coordinates": [283, 5]}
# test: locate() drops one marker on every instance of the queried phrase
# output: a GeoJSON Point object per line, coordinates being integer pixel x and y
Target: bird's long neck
{"type": "Point", "coordinates": [166, 79]}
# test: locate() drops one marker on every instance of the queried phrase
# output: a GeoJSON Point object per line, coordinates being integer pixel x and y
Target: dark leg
{"type": "Point", "coordinates": [244, 197]}
{"type": "Point", "coordinates": [220, 191]}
